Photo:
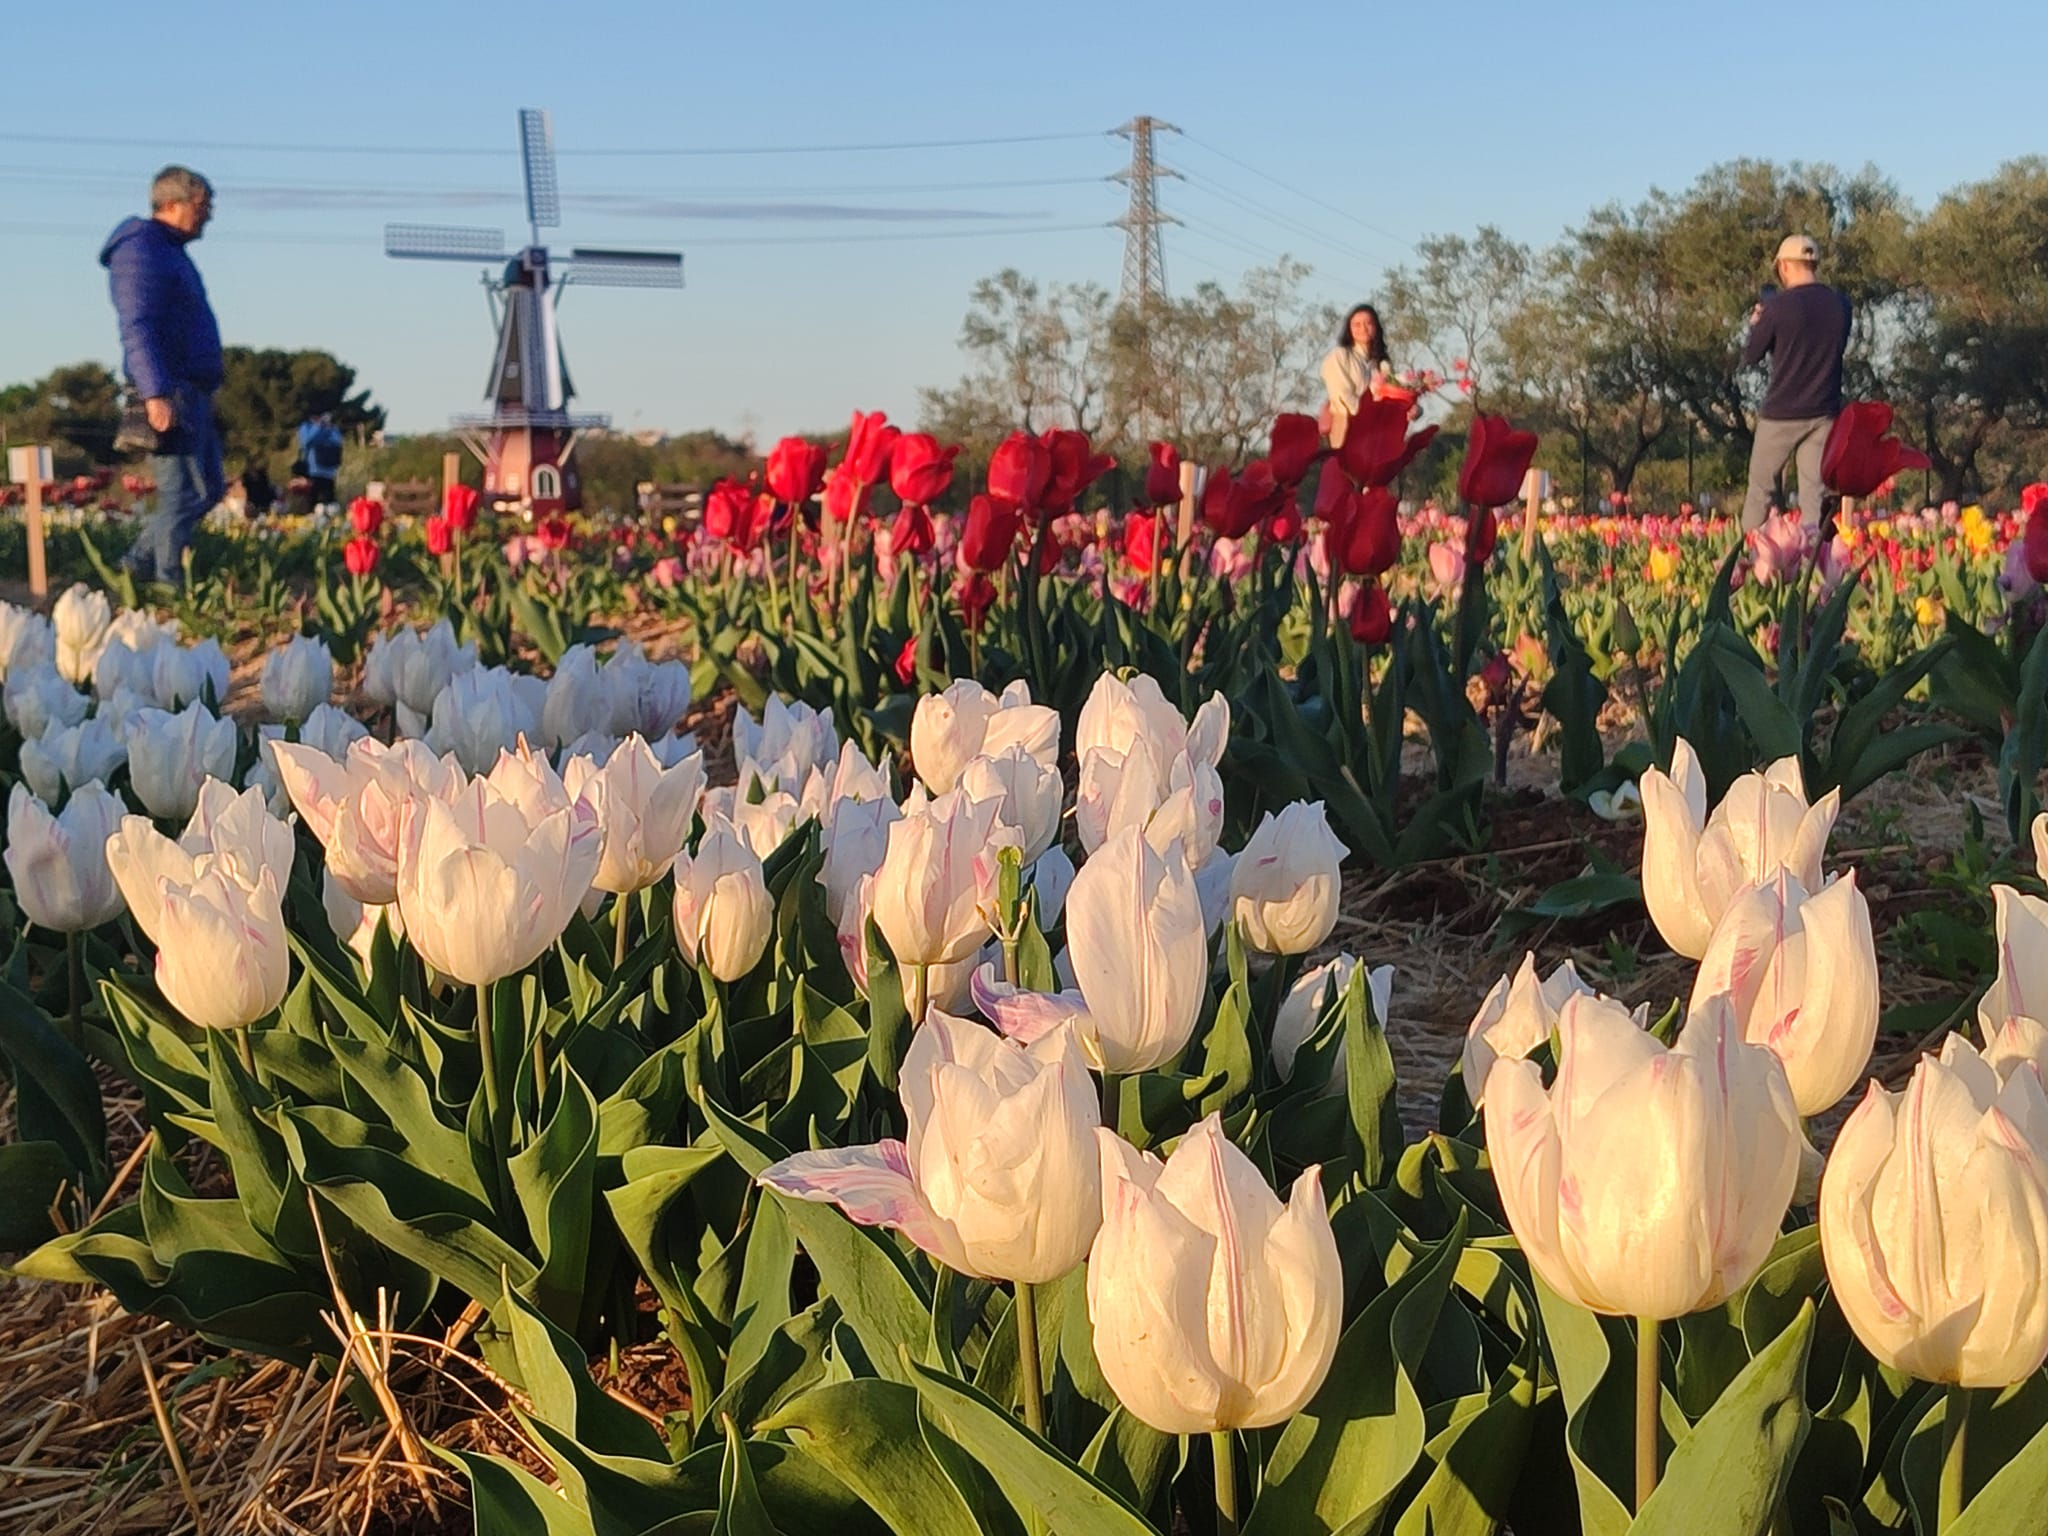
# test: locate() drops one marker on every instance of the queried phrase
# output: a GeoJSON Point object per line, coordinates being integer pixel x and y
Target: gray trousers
{"type": "Point", "coordinates": [1777, 441]}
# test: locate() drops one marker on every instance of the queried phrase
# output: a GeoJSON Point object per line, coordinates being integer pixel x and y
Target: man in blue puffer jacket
{"type": "Point", "coordinates": [170, 351]}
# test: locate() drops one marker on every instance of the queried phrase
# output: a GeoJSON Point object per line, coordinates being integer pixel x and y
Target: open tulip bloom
{"type": "Point", "coordinates": [1517, 1016]}
{"type": "Point", "coordinates": [1695, 864]}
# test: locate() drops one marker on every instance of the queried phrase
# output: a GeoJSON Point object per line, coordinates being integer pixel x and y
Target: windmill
{"type": "Point", "coordinates": [527, 438]}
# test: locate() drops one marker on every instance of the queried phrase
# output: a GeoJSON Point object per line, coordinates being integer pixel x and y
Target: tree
{"type": "Point", "coordinates": [267, 393]}
{"type": "Point", "coordinates": [1459, 301]}
{"type": "Point", "coordinates": [75, 410]}
{"type": "Point", "coordinates": [1037, 355]}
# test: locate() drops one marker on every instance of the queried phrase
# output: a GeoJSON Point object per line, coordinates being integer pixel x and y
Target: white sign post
{"type": "Point", "coordinates": [29, 466]}
{"type": "Point", "coordinates": [1535, 487]}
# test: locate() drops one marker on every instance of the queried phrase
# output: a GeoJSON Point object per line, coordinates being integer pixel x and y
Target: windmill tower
{"type": "Point", "coordinates": [528, 438]}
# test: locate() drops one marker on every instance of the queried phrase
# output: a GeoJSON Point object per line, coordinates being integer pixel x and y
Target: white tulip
{"type": "Point", "coordinates": [1517, 1015]}
{"type": "Point", "coordinates": [856, 834]}
{"type": "Point", "coordinates": [171, 755]}
{"type": "Point", "coordinates": [1029, 794]}
{"type": "Point", "coordinates": [1801, 972]}
{"type": "Point", "coordinates": [1214, 1306]}
{"type": "Point", "coordinates": [81, 618]}
{"type": "Point", "coordinates": [327, 730]}
{"type": "Point", "coordinates": [184, 674]}
{"type": "Point", "coordinates": [2020, 988]}
{"type": "Point", "coordinates": [644, 810]}
{"type": "Point", "coordinates": [298, 676]}
{"type": "Point", "coordinates": [577, 701]}
{"type": "Point", "coordinates": [59, 863]}
{"type": "Point", "coordinates": [788, 742]}
{"type": "Point", "coordinates": [764, 824]}
{"type": "Point", "coordinates": [35, 695]}
{"type": "Point", "coordinates": [999, 1177]}
{"type": "Point", "coordinates": [1694, 864]}
{"type": "Point", "coordinates": [124, 663]}
{"type": "Point", "coordinates": [25, 636]}
{"type": "Point", "coordinates": [1934, 1222]}
{"type": "Point", "coordinates": [1310, 998]}
{"type": "Point", "coordinates": [484, 711]}
{"type": "Point", "coordinates": [927, 894]}
{"type": "Point", "coordinates": [1119, 714]}
{"type": "Point", "coordinates": [1140, 954]}
{"type": "Point", "coordinates": [1645, 1182]}
{"type": "Point", "coordinates": [355, 806]}
{"type": "Point", "coordinates": [64, 757]}
{"type": "Point", "coordinates": [1285, 884]}
{"type": "Point", "coordinates": [723, 914]}
{"type": "Point", "coordinates": [410, 667]}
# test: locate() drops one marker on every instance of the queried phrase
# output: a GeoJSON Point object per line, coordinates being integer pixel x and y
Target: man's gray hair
{"type": "Point", "coordinates": [176, 184]}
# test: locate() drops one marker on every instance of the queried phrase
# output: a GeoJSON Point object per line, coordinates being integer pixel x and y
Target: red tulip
{"type": "Point", "coordinates": [553, 533]}
{"type": "Point", "coordinates": [990, 534]}
{"type": "Point", "coordinates": [1482, 533]}
{"type": "Point", "coordinates": [1283, 523]}
{"type": "Point", "coordinates": [366, 516]}
{"type": "Point", "coordinates": [1378, 444]}
{"type": "Point", "coordinates": [796, 470]}
{"type": "Point", "coordinates": [868, 447]}
{"type": "Point", "coordinates": [906, 662]}
{"type": "Point", "coordinates": [1366, 540]}
{"type": "Point", "coordinates": [1141, 540]}
{"type": "Point", "coordinates": [1018, 471]}
{"type": "Point", "coordinates": [1861, 453]}
{"type": "Point", "coordinates": [1162, 478]}
{"type": "Point", "coordinates": [459, 505]}
{"type": "Point", "coordinates": [1295, 442]}
{"type": "Point", "coordinates": [440, 535]}
{"type": "Point", "coordinates": [920, 470]}
{"type": "Point", "coordinates": [1497, 460]}
{"type": "Point", "coordinates": [2032, 497]}
{"type": "Point", "coordinates": [912, 532]}
{"type": "Point", "coordinates": [359, 554]}
{"type": "Point", "coordinates": [976, 594]}
{"type": "Point", "coordinates": [2036, 543]}
{"type": "Point", "coordinates": [1075, 467]}
{"type": "Point", "coordinates": [1372, 617]}
{"type": "Point", "coordinates": [845, 497]}
{"type": "Point", "coordinates": [1233, 507]}
{"type": "Point", "coordinates": [726, 507]}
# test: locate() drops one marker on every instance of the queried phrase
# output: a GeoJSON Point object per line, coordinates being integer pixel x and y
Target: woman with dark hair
{"type": "Point", "coordinates": [1355, 369]}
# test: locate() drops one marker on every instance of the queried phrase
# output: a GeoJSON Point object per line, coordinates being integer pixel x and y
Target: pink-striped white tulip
{"type": "Point", "coordinates": [355, 806]}
{"type": "Point", "coordinates": [59, 863]}
{"type": "Point", "coordinates": [723, 914]}
{"type": "Point", "coordinates": [1214, 1305]}
{"type": "Point", "coordinates": [1695, 864]}
{"type": "Point", "coordinates": [1139, 951]}
{"type": "Point", "coordinates": [927, 894]}
{"type": "Point", "coordinates": [998, 1176]}
{"type": "Point", "coordinates": [2020, 987]}
{"type": "Point", "coordinates": [1645, 1182]}
{"type": "Point", "coordinates": [949, 730]}
{"type": "Point", "coordinates": [1285, 884]}
{"type": "Point", "coordinates": [1516, 1016]}
{"type": "Point", "coordinates": [1801, 972]}
{"type": "Point", "coordinates": [1028, 792]}
{"type": "Point", "coordinates": [645, 811]}
{"type": "Point", "coordinates": [1934, 1222]}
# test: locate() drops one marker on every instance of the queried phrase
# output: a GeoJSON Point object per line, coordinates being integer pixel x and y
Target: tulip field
{"type": "Point", "coordinates": [878, 1010]}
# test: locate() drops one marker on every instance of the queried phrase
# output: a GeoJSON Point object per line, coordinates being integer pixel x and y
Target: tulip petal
{"type": "Point", "coordinates": [871, 1184]}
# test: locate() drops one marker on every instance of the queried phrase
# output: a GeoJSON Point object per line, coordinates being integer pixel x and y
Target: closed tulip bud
{"type": "Point", "coordinates": [1030, 795]}
{"type": "Point", "coordinates": [485, 711]}
{"type": "Point", "coordinates": [1934, 1222]}
{"type": "Point", "coordinates": [484, 884]}
{"type": "Point", "coordinates": [644, 810]}
{"type": "Point", "coordinates": [81, 618]}
{"type": "Point", "coordinates": [856, 836]}
{"type": "Point", "coordinates": [59, 863]}
{"type": "Point", "coordinates": [188, 674]}
{"type": "Point", "coordinates": [65, 757]}
{"type": "Point", "coordinates": [723, 913]}
{"type": "Point", "coordinates": [926, 896]}
{"type": "Point", "coordinates": [1801, 972]}
{"type": "Point", "coordinates": [2020, 988]}
{"type": "Point", "coordinates": [222, 960]}
{"type": "Point", "coordinates": [946, 730]}
{"type": "Point", "coordinates": [298, 677]}
{"type": "Point", "coordinates": [1645, 1181]}
{"type": "Point", "coordinates": [1694, 864]}
{"type": "Point", "coordinates": [1214, 1306]}
{"type": "Point", "coordinates": [1310, 998]}
{"type": "Point", "coordinates": [1285, 884]}
{"type": "Point", "coordinates": [25, 638]}
{"type": "Point", "coordinates": [1518, 1014]}
{"type": "Point", "coordinates": [577, 701]}
{"type": "Point", "coordinates": [171, 756]}
{"type": "Point", "coordinates": [998, 1176]}
{"type": "Point", "coordinates": [410, 667]}
{"type": "Point", "coordinates": [36, 696]}
{"type": "Point", "coordinates": [1140, 954]}
{"type": "Point", "coordinates": [789, 741]}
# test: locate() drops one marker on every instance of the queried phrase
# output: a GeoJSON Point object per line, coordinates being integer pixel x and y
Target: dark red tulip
{"type": "Point", "coordinates": [366, 516]}
{"type": "Point", "coordinates": [796, 470]}
{"type": "Point", "coordinates": [553, 533]}
{"type": "Point", "coordinates": [440, 535]}
{"type": "Point", "coordinates": [1497, 460]}
{"type": "Point", "coordinates": [977, 593]}
{"type": "Point", "coordinates": [359, 554]}
{"type": "Point", "coordinates": [1366, 540]}
{"type": "Point", "coordinates": [906, 662]}
{"type": "Point", "coordinates": [459, 506]}
{"type": "Point", "coordinates": [1482, 533]}
{"type": "Point", "coordinates": [990, 534]}
{"type": "Point", "coordinates": [912, 532]}
{"type": "Point", "coordinates": [1018, 471]}
{"type": "Point", "coordinates": [1162, 476]}
{"type": "Point", "coordinates": [2036, 543]}
{"type": "Point", "coordinates": [1295, 442]}
{"type": "Point", "coordinates": [920, 470]}
{"type": "Point", "coordinates": [1861, 453]}
{"type": "Point", "coordinates": [1371, 616]}
{"type": "Point", "coordinates": [1232, 507]}
{"type": "Point", "coordinates": [868, 448]}
{"type": "Point", "coordinates": [1075, 467]}
{"type": "Point", "coordinates": [1378, 444]}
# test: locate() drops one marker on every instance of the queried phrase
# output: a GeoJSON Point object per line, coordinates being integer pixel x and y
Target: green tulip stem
{"type": "Point", "coordinates": [247, 1049]}
{"type": "Point", "coordinates": [493, 1098]}
{"type": "Point", "coordinates": [1955, 1431]}
{"type": "Point", "coordinates": [1224, 1454]}
{"type": "Point", "coordinates": [1648, 1401]}
{"type": "Point", "coordinates": [622, 922]}
{"type": "Point", "coordinates": [74, 957]}
{"type": "Point", "coordinates": [1028, 1378]}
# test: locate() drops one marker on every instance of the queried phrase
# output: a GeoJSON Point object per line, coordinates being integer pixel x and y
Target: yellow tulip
{"type": "Point", "coordinates": [1663, 562]}
{"type": "Point", "coordinates": [1926, 612]}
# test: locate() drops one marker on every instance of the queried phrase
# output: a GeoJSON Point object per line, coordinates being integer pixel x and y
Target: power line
{"type": "Point", "coordinates": [1273, 216]}
{"type": "Point", "coordinates": [95, 231]}
{"type": "Point", "coordinates": [38, 173]}
{"type": "Point", "coordinates": [1320, 202]}
{"type": "Point", "coordinates": [249, 146]}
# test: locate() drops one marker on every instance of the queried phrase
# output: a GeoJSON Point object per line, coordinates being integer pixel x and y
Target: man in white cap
{"type": "Point", "coordinates": [1803, 327]}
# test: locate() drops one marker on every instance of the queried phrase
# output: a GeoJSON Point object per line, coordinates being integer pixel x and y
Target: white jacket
{"type": "Point", "coordinates": [1347, 375]}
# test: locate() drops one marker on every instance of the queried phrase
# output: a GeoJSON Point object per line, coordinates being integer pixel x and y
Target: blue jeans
{"type": "Point", "coordinates": [189, 481]}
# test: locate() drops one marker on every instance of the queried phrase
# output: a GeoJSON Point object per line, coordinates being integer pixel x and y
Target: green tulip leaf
{"type": "Point", "coordinates": [866, 1433]}
{"type": "Point", "coordinates": [788, 1364]}
{"type": "Point", "coordinates": [1131, 1458]}
{"type": "Point", "coordinates": [57, 1098]}
{"type": "Point", "coordinates": [504, 1496]}
{"type": "Point", "coordinates": [740, 1511]}
{"type": "Point", "coordinates": [1477, 1459]}
{"type": "Point", "coordinates": [555, 1181]}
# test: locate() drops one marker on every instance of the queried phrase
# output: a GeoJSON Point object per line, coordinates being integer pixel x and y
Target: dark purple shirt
{"type": "Point", "coordinates": [1805, 330]}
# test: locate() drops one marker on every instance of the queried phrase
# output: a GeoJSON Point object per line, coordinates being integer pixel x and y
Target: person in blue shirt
{"type": "Point", "coordinates": [1803, 328]}
{"type": "Point", "coordinates": [170, 352]}
{"type": "Point", "coordinates": [320, 447]}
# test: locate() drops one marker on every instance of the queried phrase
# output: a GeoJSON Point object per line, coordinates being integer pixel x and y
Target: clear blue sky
{"type": "Point", "coordinates": [1409, 118]}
